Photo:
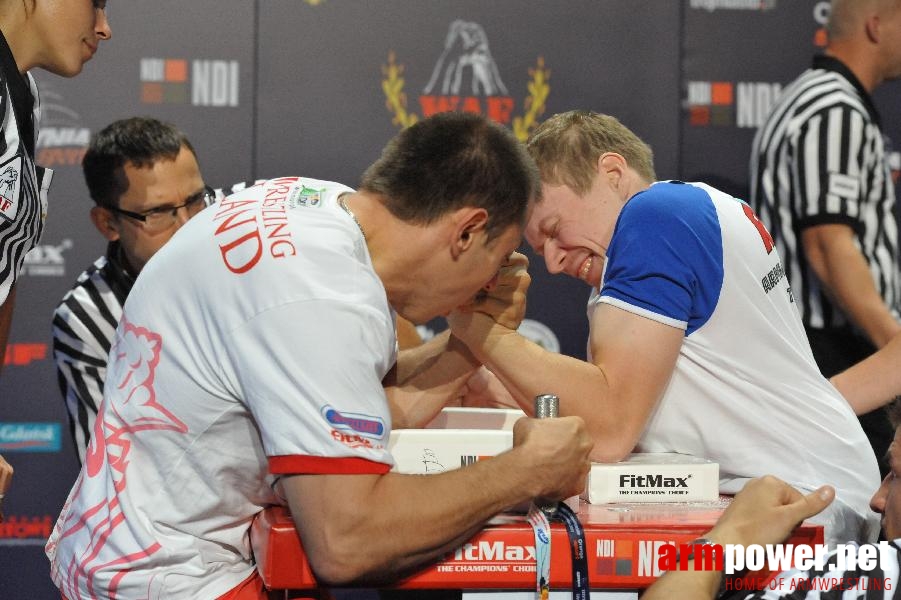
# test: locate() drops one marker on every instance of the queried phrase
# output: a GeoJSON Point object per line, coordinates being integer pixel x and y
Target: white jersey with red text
{"type": "Point", "coordinates": [745, 391]}
{"type": "Point", "coordinates": [252, 345]}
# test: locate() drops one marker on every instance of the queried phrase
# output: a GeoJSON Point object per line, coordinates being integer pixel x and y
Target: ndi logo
{"type": "Point", "coordinates": [744, 104]}
{"type": "Point", "coordinates": [30, 437]}
{"type": "Point", "coordinates": [196, 82]}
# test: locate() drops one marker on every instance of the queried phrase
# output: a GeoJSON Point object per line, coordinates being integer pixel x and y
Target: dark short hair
{"type": "Point", "coordinates": [453, 160]}
{"type": "Point", "coordinates": [139, 141]}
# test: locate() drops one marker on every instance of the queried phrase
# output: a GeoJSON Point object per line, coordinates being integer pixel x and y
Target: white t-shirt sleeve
{"type": "Point", "coordinates": [311, 374]}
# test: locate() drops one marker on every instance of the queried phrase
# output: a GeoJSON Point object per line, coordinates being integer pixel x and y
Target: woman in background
{"type": "Point", "coordinates": [58, 36]}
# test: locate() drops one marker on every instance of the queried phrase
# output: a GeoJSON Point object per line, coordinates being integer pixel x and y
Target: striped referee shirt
{"type": "Point", "coordinates": [23, 186]}
{"type": "Point", "coordinates": [820, 159]}
{"type": "Point", "coordinates": [84, 327]}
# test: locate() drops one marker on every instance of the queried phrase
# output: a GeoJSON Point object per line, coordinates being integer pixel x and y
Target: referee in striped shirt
{"type": "Point", "coordinates": [821, 183]}
{"type": "Point", "coordinates": [144, 178]}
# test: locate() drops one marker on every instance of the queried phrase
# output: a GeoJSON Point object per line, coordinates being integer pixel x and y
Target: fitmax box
{"type": "Point", "coordinates": [653, 477]}
{"type": "Point", "coordinates": [455, 438]}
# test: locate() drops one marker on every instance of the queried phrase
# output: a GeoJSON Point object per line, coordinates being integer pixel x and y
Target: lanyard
{"type": "Point", "coordinates": [546, 407]}
{"type": "Point", "coordinates": [576, 534]}
{"type": "Point", "coordinates": [542, 529]}
{"type": "Point", "coordinates": [538, 519]}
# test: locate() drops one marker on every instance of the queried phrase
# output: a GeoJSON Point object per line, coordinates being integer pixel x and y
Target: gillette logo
{"type": "Point", "coordinates": [655, 481]}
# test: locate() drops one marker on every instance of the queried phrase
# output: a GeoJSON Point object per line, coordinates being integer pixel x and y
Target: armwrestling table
{"type": "Point", "coordinates": [499, 562]}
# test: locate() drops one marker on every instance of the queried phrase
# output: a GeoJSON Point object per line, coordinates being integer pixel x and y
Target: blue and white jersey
{"type": "Point", "coordinates": [745, 391]}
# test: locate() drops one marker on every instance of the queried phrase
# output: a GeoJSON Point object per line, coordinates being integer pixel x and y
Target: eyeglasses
{"type": "Point", "coordinates": [99, 4]}
{"type": "Point", "coordinates": [160, 219]}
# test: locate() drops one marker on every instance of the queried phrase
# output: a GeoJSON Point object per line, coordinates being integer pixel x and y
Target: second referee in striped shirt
{"type": "Point", "coordinates": [821, 183]}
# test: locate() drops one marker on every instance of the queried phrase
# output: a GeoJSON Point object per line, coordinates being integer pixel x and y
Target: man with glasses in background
{"type": "Point", "coordinates": [144, 178]}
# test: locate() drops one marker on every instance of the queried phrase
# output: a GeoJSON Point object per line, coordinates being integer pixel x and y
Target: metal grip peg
{"type": "Point", "coordinates": [546, 406]}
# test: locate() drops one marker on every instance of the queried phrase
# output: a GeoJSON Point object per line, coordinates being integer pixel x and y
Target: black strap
{"type": "Point", "coordinates": [575, 531]}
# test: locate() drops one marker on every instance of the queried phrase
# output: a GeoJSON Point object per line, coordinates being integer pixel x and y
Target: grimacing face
{"type": "Point", "coordinates": [570, 232]}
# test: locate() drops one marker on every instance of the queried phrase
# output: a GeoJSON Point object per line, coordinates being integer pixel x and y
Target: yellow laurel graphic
{"type": "Point", "coordinates": [538, 92]}
{"type": "Point", "coordinates": [395, 98]}
{"type": "Point", "coordinates": [534, 104]}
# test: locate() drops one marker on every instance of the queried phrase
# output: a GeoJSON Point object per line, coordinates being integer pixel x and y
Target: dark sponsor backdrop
{"type": "Point", "coordinates": [323, 108]}
{"type": "Point", "coordinates": [316, 87]}
{"type": "Point", "coordinates": [735, 64]}
{"type": "Point", "coordinates": [337, 80]}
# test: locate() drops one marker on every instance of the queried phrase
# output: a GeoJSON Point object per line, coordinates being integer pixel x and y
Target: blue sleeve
{"type": "Point", "coordinates": [665, 259]}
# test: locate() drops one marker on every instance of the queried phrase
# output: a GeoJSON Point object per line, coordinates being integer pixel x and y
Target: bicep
{"type": "Point", "coordinates": [636, 354]}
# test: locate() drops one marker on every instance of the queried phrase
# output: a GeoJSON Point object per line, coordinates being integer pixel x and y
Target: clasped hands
{"type": "Point", "coordinates": [500, 305]}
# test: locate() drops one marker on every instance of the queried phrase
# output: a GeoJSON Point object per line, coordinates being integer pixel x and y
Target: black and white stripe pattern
{"type": "Point", "coordinates": [20, 235]}
{"type": "Point", "coordinates": [820, 158]}
{"type": "Point", "coordinates": [84, 325]}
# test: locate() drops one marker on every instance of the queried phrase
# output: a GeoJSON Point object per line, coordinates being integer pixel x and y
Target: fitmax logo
{"type": "Point", "coordinates": [655, 481]}
{"type": "Point", "coordinates": [47, 260]}
{"type": "Point", "coordinates": [494, 551]}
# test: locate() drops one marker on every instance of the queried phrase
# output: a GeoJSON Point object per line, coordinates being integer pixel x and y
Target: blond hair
{"type": "Point", "coordinates": [567, 147]}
